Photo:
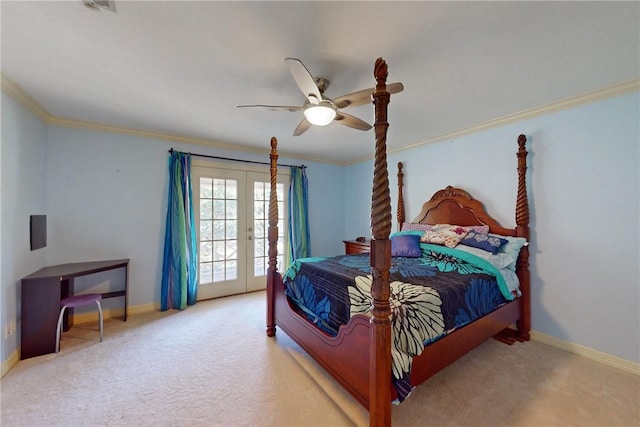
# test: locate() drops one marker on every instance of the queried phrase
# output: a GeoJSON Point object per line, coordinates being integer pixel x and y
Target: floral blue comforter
{"type": "Point", "coordinates": [430, 296]}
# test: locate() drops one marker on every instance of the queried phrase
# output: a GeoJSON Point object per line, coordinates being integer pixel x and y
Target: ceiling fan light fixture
{"type": "Point", "coordinates": [320, 114]}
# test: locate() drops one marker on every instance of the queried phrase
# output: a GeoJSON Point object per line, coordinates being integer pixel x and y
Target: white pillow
{"type": "Point", "coordinates": [511, 279]}
{"type": "Point", "coordinates": [513, 246]}
{"type": "Point", "coordinates": [499, 260]}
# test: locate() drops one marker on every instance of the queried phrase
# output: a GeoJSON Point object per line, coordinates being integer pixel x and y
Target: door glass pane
{"type": "Point", "coordinates": [258, 190]}
{"type": "Point", "coordinates": [259, 225]}
{"type": "Point", "coordinates": [219, 209]}
{"type": "Point", "coordinates": [218, 250]}
{"type": "Point", "coordinates": [231, 250]}
{"type": "Point", "coordinates": [206, 275]}
{"type": "Point", "coordinates": [205, 229]}
{"type": "Point", "coordinates": [231, 272]}
{"type": "Point", "coordinates": [218, 272]}
{"type": "Point", "coordinates": [259, 268]}
{"type": "Point", "coordinates": [259, 249]}
{"type": "Point", "coordinates": [219, 229]}
{"type": "Point", "coordinates": [232, 209]}
{"type": "Point", "coordinates": [261, 196]}
{"type": "Point", "coordinates": [218, 238]}
{"type": "Point", "coordinates": [258, 209]}
{"type": "Point", "coordinates": [205, 252]}
{"type": "Point", "coordinates": [232, 190]}
{"type": "Point", "coordinates": [206, 187]}
{"type": "Point", "coordinates": [232, 229]}
{"type": "Point", "coordinates": [219, 188]}
{"type": "Point", "coordinates": [205, 209]}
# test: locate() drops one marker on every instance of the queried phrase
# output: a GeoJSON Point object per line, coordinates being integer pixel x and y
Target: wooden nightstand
{"type": "Point", "coordinates": [355, 247]}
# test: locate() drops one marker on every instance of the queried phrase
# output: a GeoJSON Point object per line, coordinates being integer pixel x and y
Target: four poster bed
{"type": "Point", "coordinates": [361, 352]}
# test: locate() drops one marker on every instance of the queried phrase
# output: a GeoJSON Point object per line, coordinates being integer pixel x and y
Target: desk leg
{"type": "Point", "coordinates": [40, 309]}
{"type": "Point", "coordinates": [126, 290]}
{"type": "Point", "coordinates": [66, 290]}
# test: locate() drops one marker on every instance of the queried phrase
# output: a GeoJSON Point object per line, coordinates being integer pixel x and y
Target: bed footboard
{"type": "Point", "coordinates": [335, 354]}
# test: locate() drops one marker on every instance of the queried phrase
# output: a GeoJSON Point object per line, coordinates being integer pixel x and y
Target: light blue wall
{"type": "Point", "coordinates": [104, 195]}
{"type": "Point", "coordinates": [584, 199]}
{"type": "Point", "coordinates": [107, 199]}
{"type": "Point", "coordinates": [326, 213]}
{"type": "Point", "coordinates": [22, 188]}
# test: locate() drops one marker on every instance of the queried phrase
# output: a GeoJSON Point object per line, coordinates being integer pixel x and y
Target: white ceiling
{"type": "Point", "coordinates": [180, 68]}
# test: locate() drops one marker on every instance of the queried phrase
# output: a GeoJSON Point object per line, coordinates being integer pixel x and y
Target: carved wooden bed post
{"type": "Point", "coordinates": [380, 344]}
{"type": "Point", "coordinates": [522, 230]}
{"type": "Point", "coordinates": [400, 197]}
{"type": "Point", "coordinates": [273, 239]}
{"type": "Point", "coordinates": [369, 379]}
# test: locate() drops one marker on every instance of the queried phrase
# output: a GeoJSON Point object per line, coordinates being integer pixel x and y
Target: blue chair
{"type": "Point", "coordinates": [77, 301]}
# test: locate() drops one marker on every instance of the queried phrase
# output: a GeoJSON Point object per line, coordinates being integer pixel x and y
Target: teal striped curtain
{"type": "Point", "coordinates": [180, 261]}
{"type": "Point", "coordinates": [299, 241]}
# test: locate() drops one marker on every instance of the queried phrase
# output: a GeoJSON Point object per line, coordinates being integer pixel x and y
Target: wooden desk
{"type": "Point", "coordinates": [40, 302]}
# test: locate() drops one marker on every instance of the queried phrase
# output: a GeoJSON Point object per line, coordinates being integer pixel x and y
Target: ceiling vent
{"type": "Point", "coordinates": [109, 5]}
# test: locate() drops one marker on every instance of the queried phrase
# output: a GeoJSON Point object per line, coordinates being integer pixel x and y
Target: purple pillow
{"type": "Point", "coordinates": [489, 243]}
{"type": "Point", "coordinates": [407, 245]}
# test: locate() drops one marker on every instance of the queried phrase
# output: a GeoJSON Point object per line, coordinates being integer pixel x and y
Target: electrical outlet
{"type": "Point", "coordinates": [9, 329]}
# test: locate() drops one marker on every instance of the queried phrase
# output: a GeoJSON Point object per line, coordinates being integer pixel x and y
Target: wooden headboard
{"type": "Point", "coordinates": [456, 206]}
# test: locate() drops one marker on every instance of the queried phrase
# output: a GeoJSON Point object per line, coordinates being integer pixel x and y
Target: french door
{"type": "Point", "coordinates": [231, 212]}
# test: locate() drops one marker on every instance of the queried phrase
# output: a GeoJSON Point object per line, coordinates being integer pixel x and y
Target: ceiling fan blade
{"type": "Point", "coordinates": [273, 107]}
{"type": "Point", "coordinates": [303, 78]}
{"type": "Point", "coordinates": [362, 97]}
{"type": "Point", "coordinates": [351, 121]}
{"type": "Point", "coordinates": [302, 127]}
{"type": "Point", "coordinates": [396, 87]}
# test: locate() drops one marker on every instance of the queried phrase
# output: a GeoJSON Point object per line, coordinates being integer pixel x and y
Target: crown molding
{"type": "Point", "coordinates": [70, 123]}
{"type": "Point", "coordinates": [22, 97]}
{"type": "Point", "coordinates": [564, 104]}
{"type": "Point", "coordinates": [80, 124]}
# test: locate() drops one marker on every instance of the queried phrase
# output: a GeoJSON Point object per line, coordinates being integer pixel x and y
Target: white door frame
{"type": "Point", "coordinates": [246, 281]}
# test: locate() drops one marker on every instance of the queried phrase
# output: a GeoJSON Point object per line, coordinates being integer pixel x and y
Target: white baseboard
{"type": "Point", "coordinates": [589, 353]}
{"type": "Point", "coordinates": [90, 316]}
{"type": "Point", "coordinates": [10, 362]}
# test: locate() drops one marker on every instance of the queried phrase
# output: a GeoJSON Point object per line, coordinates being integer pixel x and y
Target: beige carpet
{"type": "Point", "coordinates": [212, 365]}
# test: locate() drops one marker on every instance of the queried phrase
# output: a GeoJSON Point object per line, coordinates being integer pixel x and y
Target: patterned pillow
{"type": "Point", "coordinates": [407, 245]}
{"type": "Point", "coordinates": [408, 226]}
{"type": "Point", "coordinates": [413, 226]}
{"type": "Point", "coordinates": [490, 243]}
{"type": "Point", "coordinates": [477, 228]}
{"type": "Point", "coordinates": [444, 234]}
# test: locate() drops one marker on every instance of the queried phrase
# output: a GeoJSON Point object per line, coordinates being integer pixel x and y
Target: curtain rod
{"type": "Point", "coordinates": [235, 160]}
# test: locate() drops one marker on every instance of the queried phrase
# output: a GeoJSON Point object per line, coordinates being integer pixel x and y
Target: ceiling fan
{"type": "Point", "coordinates": [318, 109]}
